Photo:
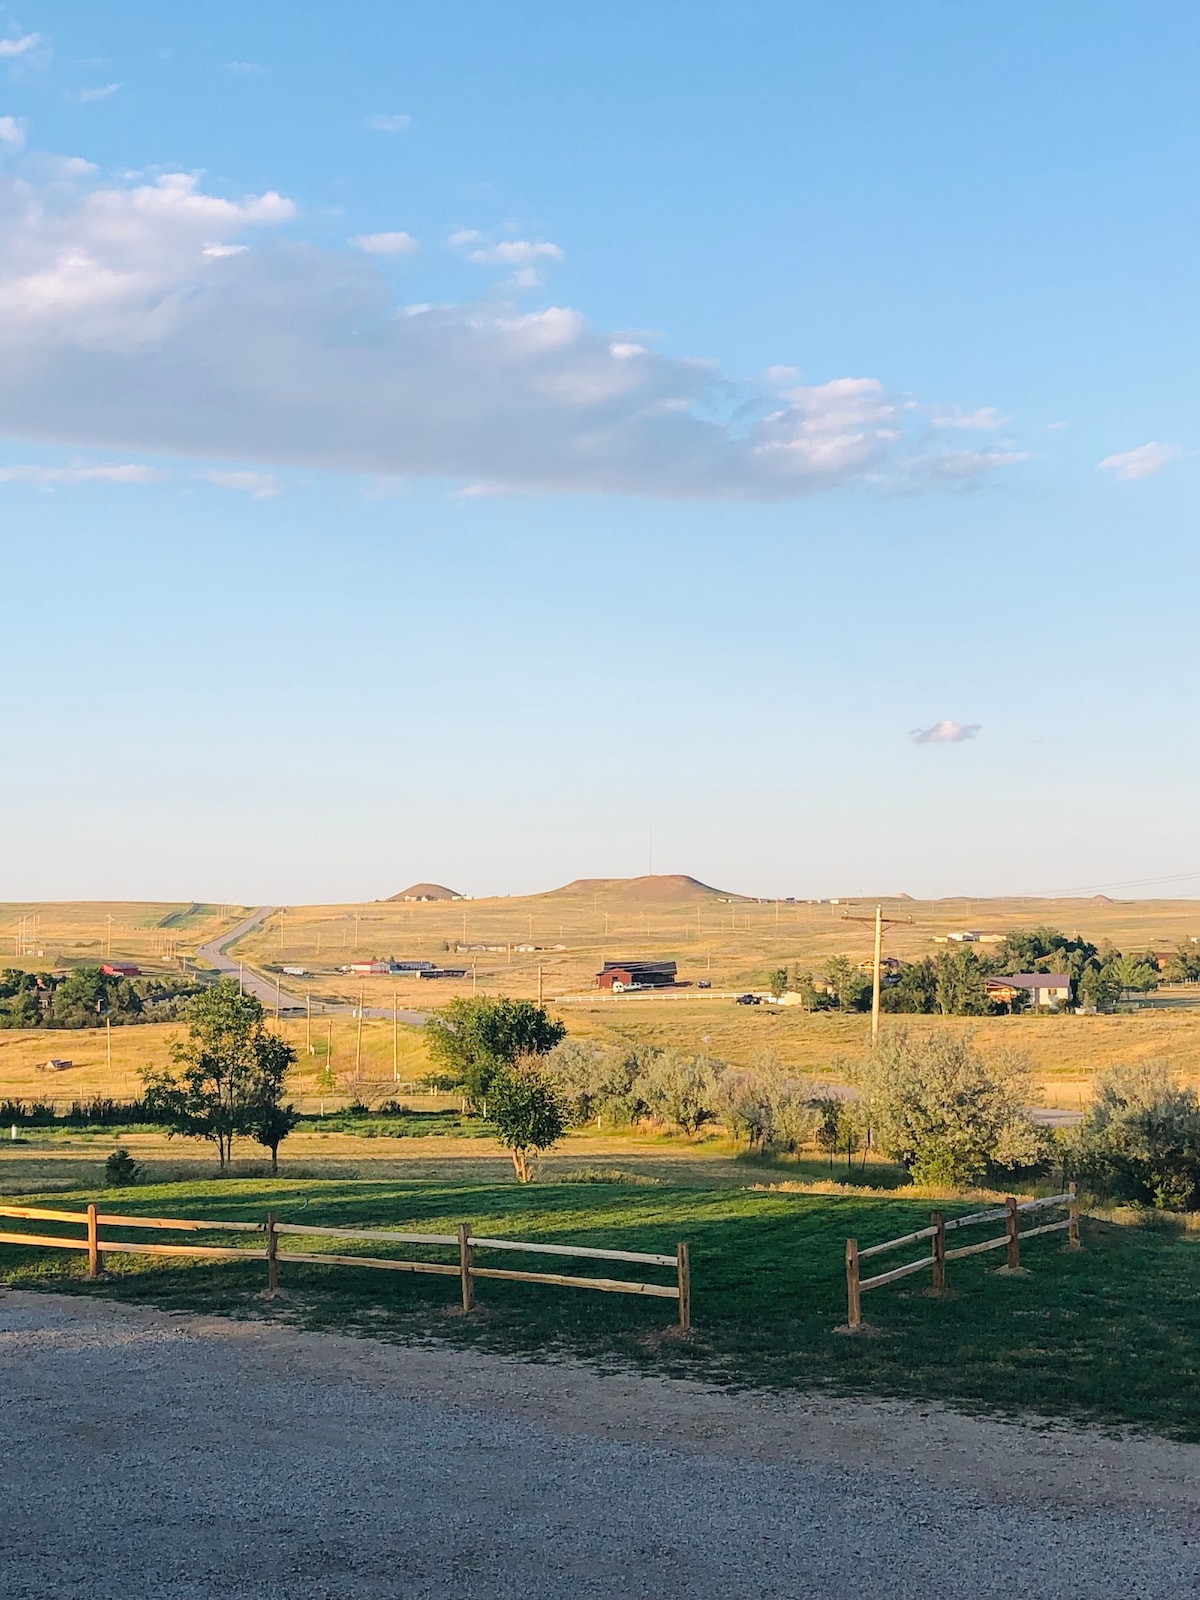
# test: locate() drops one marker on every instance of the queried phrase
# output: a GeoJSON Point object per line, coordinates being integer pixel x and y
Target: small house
{"type": "Point", "coordinates": [1044, 989]}
{"type": "Point", "coordinates": [120, 969]}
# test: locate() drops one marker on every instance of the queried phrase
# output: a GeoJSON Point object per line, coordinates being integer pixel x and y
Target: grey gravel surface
{"type": "Point", "coordinates": [174, 1458]}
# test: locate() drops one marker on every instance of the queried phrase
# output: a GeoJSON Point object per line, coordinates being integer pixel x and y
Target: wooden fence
{"type": "Point", "coordinates": [935, 1262]}
{"type": "Point", "coordinates": [464, 1240]}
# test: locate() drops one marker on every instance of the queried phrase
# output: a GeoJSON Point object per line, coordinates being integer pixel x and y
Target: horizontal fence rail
{"type": "Point", "coordinates": [1010, 1213]}
{"type": "Point", "coordinates": [464, 1241]}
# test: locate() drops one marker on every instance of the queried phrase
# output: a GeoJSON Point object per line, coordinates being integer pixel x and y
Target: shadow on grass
{"type": "Point", "coordinates": [1108, 1333]}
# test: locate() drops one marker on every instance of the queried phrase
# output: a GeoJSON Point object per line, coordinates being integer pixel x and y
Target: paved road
{"type": "Point", "coordinates": [266, 990]}
{"type": "Point", "coordinates": [156, 1457]}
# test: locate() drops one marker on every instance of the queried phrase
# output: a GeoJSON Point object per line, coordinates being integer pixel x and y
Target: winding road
{"type": "Point", "coordinates": [270, 993]}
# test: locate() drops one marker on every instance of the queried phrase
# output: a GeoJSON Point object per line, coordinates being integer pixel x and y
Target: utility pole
{"type": "Point", "coordinates": [539, 986]}
{"type": "Point", "coordinates": [108, 939]}
{"type": "Point", "coordinates": [395, 1038]}
{"type": "Point", "coordinates": [358, 1041]}
{"type": "Point", "coordinates": [880, 923]}
{"type": "Point", "coordinates": [278, 997]}
{"type": "Point", "coordinates": [308, 1022]}
{"type": "Point", "coordinates": [108, 1041]}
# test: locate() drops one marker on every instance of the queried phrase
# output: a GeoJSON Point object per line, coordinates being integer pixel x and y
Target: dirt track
{"type": "Point", "coordinates": [156, 1457]}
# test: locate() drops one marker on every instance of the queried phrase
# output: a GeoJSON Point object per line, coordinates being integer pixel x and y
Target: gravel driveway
{"type": "Point", "coordinates": [157, 1457]}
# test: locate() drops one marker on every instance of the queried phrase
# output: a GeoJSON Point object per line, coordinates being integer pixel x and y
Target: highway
{"type": "Point", "coordinates": [268, 992]}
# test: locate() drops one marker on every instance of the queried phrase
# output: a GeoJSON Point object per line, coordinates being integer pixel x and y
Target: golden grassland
{"type": "Point", "coordinates": [732, 945]}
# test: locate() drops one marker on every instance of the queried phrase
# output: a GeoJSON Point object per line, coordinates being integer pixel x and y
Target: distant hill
{"type": "Point", "coordinates": [426, 891]}
{"type": "Point", "coordinates": [664, 888]}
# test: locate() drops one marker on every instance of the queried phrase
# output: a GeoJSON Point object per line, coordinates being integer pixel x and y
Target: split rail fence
{"type": "Point", "coordinates": [1010, 1241]}
{"type": "Point", "coordinates": [464, 1240]}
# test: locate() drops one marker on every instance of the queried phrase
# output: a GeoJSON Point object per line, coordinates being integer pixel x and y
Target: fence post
{"type": "Point", "coordinates": [1012, 1220]}
{"type": "Point", "coordinates": [1073, 1240]}
{"type": "Point", "coordinates": [272, 1254]}
{"type": "Point", "coordinates": [466, 1261]}
{"type": "Point", "coordinates": [685, 1286]}
{"type": "Point", "coordinates": [853, 1295]}
{"type": "Point", "coordinates": [938, 1223]}
{"type": "Point", "coordinates": [95, 1259]}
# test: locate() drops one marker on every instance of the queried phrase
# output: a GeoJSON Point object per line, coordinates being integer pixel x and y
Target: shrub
{"type": "Point", "coordinates": [1140, 1140]}
{"type": "Point", "coordinates": [947, 1113]}
{"type": "Point", "coordinates": [121, 1170]}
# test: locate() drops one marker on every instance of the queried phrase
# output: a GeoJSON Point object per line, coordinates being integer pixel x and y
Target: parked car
{"type": "Point", "coordinates": [703, 983]}
{"type": "Point", "coordinates": [748, 1000]}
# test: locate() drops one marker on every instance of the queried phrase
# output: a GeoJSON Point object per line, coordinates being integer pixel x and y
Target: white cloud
{"type": "Point", "coordinates": [87, 97]}
{"type": "Point", "coordinates": [385, 244]}
{"type": "Point", "coordinates": [21, 46]}
{"type": "Point", "coordinates": [1143, 462]}
{"type": "Point", "coordinates": [524, 256]}
{"type": "Point", "coordinates": [983, 418]}
{"type": "Point", "coordinates": [12, 133]}
{"type": "Point", "coordinates": [45, 477]}
{"type": "Point", "coordinates": [945, 732]}
{"type": "Point", "coordinates": [389, 122]}
{"type": "Point", "coordinates": [259, 485]}
{"type": "Point", "coordinates": [245, 69]}
{"type": "Point", "coordinates": [124, 327]}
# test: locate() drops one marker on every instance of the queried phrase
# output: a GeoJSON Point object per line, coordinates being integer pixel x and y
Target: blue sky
{"type": "Point", "coordinates": [492, 443]}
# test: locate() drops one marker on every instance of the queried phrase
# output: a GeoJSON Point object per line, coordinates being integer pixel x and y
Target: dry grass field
{"type": "Point", "coordinates": [731, 944]}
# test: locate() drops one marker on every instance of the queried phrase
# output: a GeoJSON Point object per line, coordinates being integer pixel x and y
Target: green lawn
{"type": "Point", "coordinates": [1108, 1333]}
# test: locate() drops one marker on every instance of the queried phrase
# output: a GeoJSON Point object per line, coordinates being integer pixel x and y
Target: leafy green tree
{"type": "Point", "coordinates": [777, 982]}
{"type": "Point", "coordinates": [962, 985]}
{"type": "Point", "coordinates": [526, 1111]}
{"type": "Point", "coordinates": [944, 1111]}
{"type": "Point", "coordinates": [916, 989]}
{"type": "Point", "coordinates": [230, 1073]}
{"type": "Point", "coordinates": [681, 1088]}
{"type": "Point", "coordinates": [852, 987]}
{"type": "Point", "coordinates": [473, 1038]}
{"type": "Point", "coordinates": [1184, 965]}
{"type": "Point", "coordinates": [1140, 1139]}
{"type": "Point", "coordinates": [811, 998]}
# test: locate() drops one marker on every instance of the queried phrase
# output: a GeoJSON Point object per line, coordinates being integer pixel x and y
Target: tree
{"type": "Point", "coordinates": [230, 1073]}
{"type": "Point", "coordinates": [681, 1088]}
{"type": "Point", "coordinates": [777, 982]}
{"type": "Point", "coordinates": [961, 985]}
{"type": "Point", "coordinates": [474, 1038]}
{"type": "Point", "coordinates": [527, 1113]}
{"type": "Point", "coordinates": [1184, 965]}
{"type": "Point", "coordinates": [852, 987]}
{"type": "Point", "coordinates": [915, 990]}
{"type": "Point", "coordinates": [946, 1112]}
{"type": "Point", "coordinates": [1140, 1139]}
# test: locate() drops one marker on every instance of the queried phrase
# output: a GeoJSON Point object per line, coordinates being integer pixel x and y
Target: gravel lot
{"type": "Point", "coordinates": [148, 1455]}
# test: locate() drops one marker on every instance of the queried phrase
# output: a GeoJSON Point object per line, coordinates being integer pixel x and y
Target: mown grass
{"type": "Point", "coordinates": [1108, 1333]}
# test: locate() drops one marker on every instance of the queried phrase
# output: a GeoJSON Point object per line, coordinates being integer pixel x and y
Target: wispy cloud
{"type": "Point", "coordinates": [945, 732]}
{"type": "Point", "coordinates": [20, 46]}
{"type": "Point", "coordinates": [134, 320]}
{"type": "Point", "coordinates": [259, 485]}
{"type": "Point", "coordinates": [985, 418]}
{"type": "Point", "coordinates": [504, 252]}
{"type": "Point", "coordinates": [46, 477]}
{"type": "Point", "coordinates": [87, 97]}
{"type": "Point", "coordinates": [389, 122]}
{"type": "Point", "coordinates": [12, 133]}
{"type": "Point", "coordinates": [1143, 462]}
{"type": "Point", "coordinates": [385, 244]}
{"type": "Point", "coordinates": [246, 69]}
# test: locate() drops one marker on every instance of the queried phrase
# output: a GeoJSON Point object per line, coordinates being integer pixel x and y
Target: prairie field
{"type": "Point", "coordinates": [729, 943]}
